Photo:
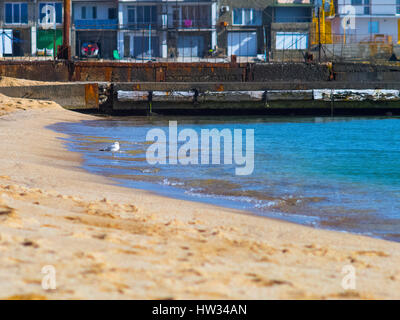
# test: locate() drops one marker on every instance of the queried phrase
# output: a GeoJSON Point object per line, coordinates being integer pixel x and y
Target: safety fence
{"type": "Point", "coordinates": [201, 43]}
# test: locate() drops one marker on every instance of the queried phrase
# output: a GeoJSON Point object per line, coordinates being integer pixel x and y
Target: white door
{"type": "Point", "coordinates": [242, 43]}
{"type": "Point", "coordinates": [6, 39]}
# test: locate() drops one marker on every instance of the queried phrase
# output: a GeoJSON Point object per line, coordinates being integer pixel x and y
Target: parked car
{"type": "Point", "coordinates": [90, 50]}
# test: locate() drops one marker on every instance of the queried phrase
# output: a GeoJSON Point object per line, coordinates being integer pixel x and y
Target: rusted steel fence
{"type": "Point", "coordinates": [163, 71]}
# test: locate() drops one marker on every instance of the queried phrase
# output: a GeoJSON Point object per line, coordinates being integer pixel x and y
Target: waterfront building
{"type": "Point", "coordinates": [30, 27]}
{"type": "Point", "coordinates": [16, 22]}
{"type": "Point", "coordinates": [180, 29]}
{"type": "Point", "coordinates": [365, 21]}
{"type": "Point", "coordinates": [94, 22]}
{"type": "Point", "coordinates": [242, 27]}
{"type": "Point", "coordinates": [290, 28]}
{"type": "Point", "coordinates": [49, 27]}
{"type": "Point", "coordinates": [27, 26]}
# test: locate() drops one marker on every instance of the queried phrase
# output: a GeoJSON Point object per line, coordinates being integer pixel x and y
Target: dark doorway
{"type": "Point", "coordinates": [17, 44]}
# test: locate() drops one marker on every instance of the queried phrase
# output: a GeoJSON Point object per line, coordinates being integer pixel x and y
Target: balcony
{"type": "Point", "coordinates": [96, 24]}
{"type": "Point", "coordinates": [149, 25]}
{"type": "Point", "coordinates": [189, 24]}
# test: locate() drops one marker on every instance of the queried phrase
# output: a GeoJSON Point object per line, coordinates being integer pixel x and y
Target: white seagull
{"type": "Point", "coordinates": [112, 148]}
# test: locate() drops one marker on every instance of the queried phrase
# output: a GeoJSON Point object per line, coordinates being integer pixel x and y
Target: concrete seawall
{"type": "Point", "coordinates": [226, 97]}
{"type": "Point", "coordinates": [325, 98]}
{"type": "Point", "coordinates": [68, 95]}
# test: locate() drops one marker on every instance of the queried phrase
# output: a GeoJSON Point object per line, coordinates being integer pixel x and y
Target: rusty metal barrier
{"type": "Point", "coordinates": [61, 70]}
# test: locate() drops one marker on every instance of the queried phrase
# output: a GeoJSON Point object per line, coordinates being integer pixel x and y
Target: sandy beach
{"type": "Point", "coordinates": [110, 242]}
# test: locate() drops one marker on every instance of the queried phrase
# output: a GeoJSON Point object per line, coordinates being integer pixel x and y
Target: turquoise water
{"type": "Point", "coordinates": [341, 174]}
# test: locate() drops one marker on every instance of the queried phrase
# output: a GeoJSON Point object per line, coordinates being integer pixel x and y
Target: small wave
{"type": "Point", "coordinates": [266, 204]}
{"type": "Point", "coordinates": [167, 182]}
{"type": "Point", "coordinates": [256, 203]}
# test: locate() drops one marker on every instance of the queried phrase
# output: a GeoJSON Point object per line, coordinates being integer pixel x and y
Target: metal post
{"type": "Point", "coordinates": [3, 43]}
{"type": "Point", "coordinates": [54, 34]}
{"type": "Point", "coordinates": [67, 23]}
{"type": "Point", "coordinates": [319, 35]}
{"type": "Point", "coordinates": [150, 55]}
{"type": "Point", "coordinates": [65, 50]}
{"type": "Point", "coordinates": [265, 44]}
{"type": "Point", "coordinates": [54, 44]}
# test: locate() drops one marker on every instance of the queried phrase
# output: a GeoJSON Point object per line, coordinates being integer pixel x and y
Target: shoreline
{"type": "Point", "coordinates": [112, 242]}
{"type": "Point", "coordinates": [86, 137]}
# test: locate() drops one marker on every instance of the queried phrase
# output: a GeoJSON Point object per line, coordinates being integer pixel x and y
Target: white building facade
{"type": "Point", "coordinates": [166, 28]}
{"type": "Point", "coordinates": [367, 21]}
{"type": "Point", "coordinates": [94, 21]}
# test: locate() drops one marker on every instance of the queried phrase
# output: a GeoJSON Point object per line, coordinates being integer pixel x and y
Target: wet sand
{"type": "Point", "coordinates": [110, 242]}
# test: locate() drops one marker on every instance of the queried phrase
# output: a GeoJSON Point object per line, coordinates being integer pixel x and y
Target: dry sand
{"type": "Point", "coordinates": [110, 242]}
{"type": "Point", "coordinates": [15, 82]}
{"type": "Point", "coordinates": [8, 104]}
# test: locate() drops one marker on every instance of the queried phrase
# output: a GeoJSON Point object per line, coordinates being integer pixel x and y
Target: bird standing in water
{"type": "Point", "coordinates": [112, 148]}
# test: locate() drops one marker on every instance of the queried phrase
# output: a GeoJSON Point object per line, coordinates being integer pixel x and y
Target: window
{"type": "Point", "coordinates": [291, 41]}
{"type": "Point", "coordinates": [293, 14]}
{"type": "Point", "coordinates": [247, 17]}
{"type": "Point", "coordinates": [397, 6]}
{"type": "Point", "coordinates": [49, 10]}
{"type": "Point", "coordinates": [112, 13]}
{"type": "Point", "coordinates": [89, 14]}
{"type": "Point", "coordinates": [367, 7]}
{"type": "Point", "coordinates": [83, 13]}
{"type": "Point", "coordinates": [373, 26]}
{"type": "Point", "coordinates": [193, 16]}
{"type": "Point", "coordinates": [142, 15]}
{"type": "Point", "coordinates": [131, 15]}
{"type": "Point", "coordinates": [16, 13]}
{"type": "Point", "coordinates": [237, 16]}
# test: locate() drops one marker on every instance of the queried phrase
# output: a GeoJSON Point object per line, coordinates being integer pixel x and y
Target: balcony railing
{"type": "Point", "coordinates": [105, 24]}
{"type": "Point", "coordinates": [141, 25]}
{"type": "Point", "coordinates": [191, 24]}
{"type": "Point", "coordinates": [177, 24]}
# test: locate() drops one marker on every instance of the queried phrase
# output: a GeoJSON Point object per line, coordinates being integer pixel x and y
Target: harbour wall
{"type": "Point", "coordinates": [112, 71]}
{"type": "Point", "coordinates": [261, 98]}
{"type": "Point", "coordinates": [325, 98]}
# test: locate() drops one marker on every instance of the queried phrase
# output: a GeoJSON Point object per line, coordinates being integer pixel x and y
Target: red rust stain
{"type": "Point", "coordinates": [160, 75]}
{"type": "Point", "coordinates": [220, 88]}
{"type": "Point", "coordinates": [92, 95]}
{"type": "Point", "coordinates": [108, 73]}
